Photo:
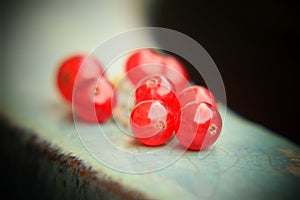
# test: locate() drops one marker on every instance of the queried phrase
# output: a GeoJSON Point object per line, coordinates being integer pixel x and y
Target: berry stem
{"type": "Point", "coordinates": [118, 114]}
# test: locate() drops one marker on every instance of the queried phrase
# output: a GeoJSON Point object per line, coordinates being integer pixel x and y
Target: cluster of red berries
{"type": "Point", "coordinates": [93, 96]}
{"type": "Point", "coordinates": [163, 103]}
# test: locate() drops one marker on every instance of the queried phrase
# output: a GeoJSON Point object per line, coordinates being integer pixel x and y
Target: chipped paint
{"type": "Point", "coordinates": [294, 161]}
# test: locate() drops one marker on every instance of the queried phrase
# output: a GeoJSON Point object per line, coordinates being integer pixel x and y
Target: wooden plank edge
{"type": "Point", "coordinates": [50, 173]}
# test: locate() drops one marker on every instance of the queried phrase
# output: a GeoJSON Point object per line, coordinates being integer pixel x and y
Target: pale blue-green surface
{"type": "Point", "coordinates": [248, 162]}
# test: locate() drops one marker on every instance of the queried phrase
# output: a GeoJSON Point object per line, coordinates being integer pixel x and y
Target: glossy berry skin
{"type": "Point", "coordinates": [200, 126]}
{"type": "Point", "coordinates": [146, 62]}
{"type": "Point", "coordinates": [158, 88]}
{"type": "Point", "coordinates": [151, 122]}
{"type": "Point", "coordinates": [94, 100]}
{"type": "Point", "coordinates": [68, 71]}
{"type": "Point", "coordinates": [196, 93]}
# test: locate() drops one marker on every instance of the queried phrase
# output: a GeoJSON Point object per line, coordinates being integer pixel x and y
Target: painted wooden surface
{"type": "Point", "coordinates": [248, 162]}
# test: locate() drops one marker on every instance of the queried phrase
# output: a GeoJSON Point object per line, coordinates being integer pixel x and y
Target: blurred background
{"type": "Point", "coordinates": [253, 43]}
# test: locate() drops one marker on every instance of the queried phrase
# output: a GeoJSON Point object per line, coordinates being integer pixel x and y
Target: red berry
{"type": "Point", "coordinates": [69, 70]}
{"type": "Point", "coordinates": [151, 122]}
{"type": "Point", "coordinates": [200, 126]}
{"type": "Point", "coordinates": [94, 100]}
{"type": "Point", "coordinates": [158, 88]}
{"type": "Point", "coordinates": [196, 93]}
{"type": "Point", "coordinates": [147, 62]}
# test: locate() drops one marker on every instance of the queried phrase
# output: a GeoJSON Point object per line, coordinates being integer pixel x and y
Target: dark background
{"type": "Point", "coordinates": [254, 46]}
{"type": "Point", "coordinates": [253, 43]}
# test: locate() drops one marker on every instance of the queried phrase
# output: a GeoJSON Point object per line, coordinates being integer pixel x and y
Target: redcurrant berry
{"type": "Point", "coordinates": [147, 62]}
{"type": "Point", "coordinates": [69, 70]}
{"type": "Point", "coordinates": [94, 100]}
{"type": "Point", "coordinates": [151, 122]}
{"type": "Point", "coordinates": [200, 126]}
{"type": "Point", "coordinates": [158, 88]}
{"type": "Point", "coordinates": [196, 93]}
